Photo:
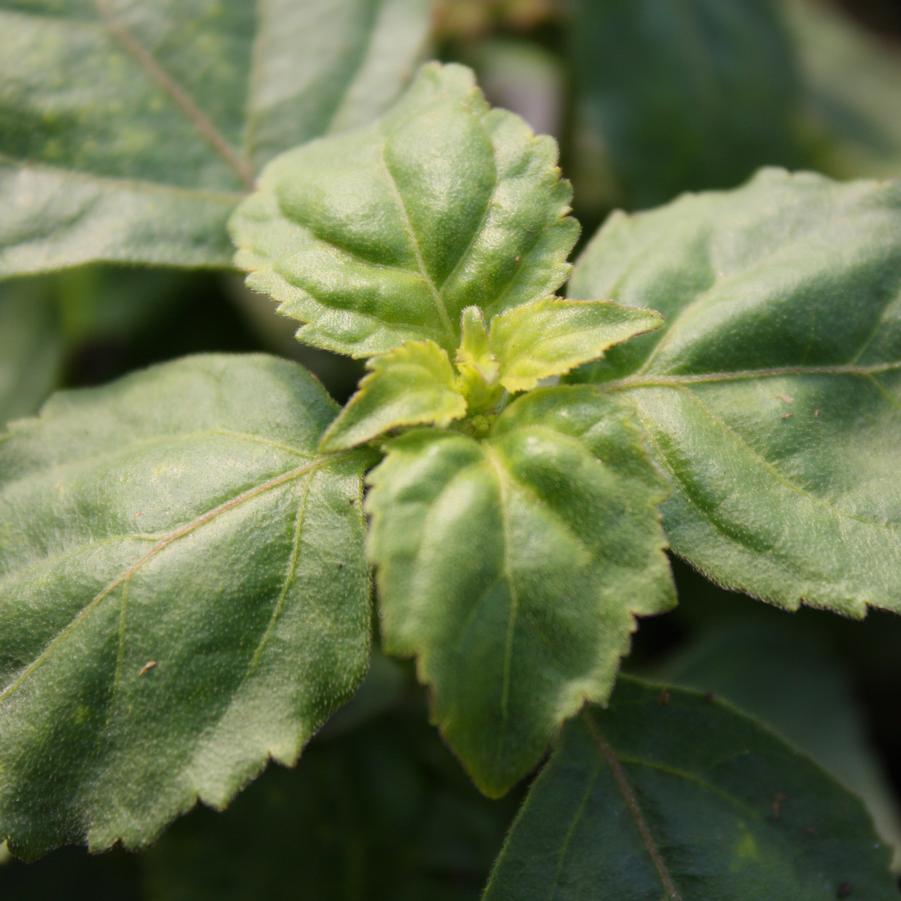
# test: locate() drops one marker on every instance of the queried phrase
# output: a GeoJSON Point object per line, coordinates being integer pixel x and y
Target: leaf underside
{"type": "Point", "coordinates": [386, 234]}
{"type": "Point", "coordinates": [773, 394]}
{"type": "Point", "coordinates": [669, 794]}
{"type": "Point", "coordinates": [513, 568]}
{"type": "Point", "coordinates": [183, 595]}
{"type": "Point", "coordinates": [115, 145]}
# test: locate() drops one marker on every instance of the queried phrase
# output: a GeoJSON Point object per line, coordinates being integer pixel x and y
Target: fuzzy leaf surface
{"type": "Point", "coordinates": [183, 594]}
{"type": "Point", "coordinates": [385, 234]}
{"type": "Point", "coordinates": [410, 385]}
{"type": "Point", "coordinates": [513, 569]}
{"type": "Point", "coordinates": [117, 145]}
{"type": "Point", "coordinates": [553, 336]}
{"type": "Point", "coordinates": [773, 394]}
{"type": "Point", "coordinates": [678, 797]}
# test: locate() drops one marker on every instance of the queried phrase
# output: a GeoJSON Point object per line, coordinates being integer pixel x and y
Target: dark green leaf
{"type": "Point", "coordinates": [672, 795]}
{"type": "Point", "coordinates": [797, 686]}
{"type": "Point", "coordinates": [385, 234]}
{"type": "Point", "coordinates": [374, 815]}
{"type": "Point", "coordinates": [128, 131]}
{"type": "Point", "coordinates": [695, 94]}
{"type": "Point", "coordinates": [852, 85]}
{"type": "Point", "coordinates": [514, 567]}
{"type": "Point", "coordinates": [183, 594]}
{"type": "Point", "coordinates": [773, 395]}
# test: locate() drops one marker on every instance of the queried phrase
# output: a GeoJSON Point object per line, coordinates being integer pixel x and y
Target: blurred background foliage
{"type": "Point", "coordinates": [647, 98]}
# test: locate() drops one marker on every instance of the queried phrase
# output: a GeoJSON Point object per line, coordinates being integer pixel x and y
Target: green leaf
{"type": "Point", "coordinates": [852, 81]}
{"type": "Point", "coordinates": [385, 234]}
{"type": "Point", "coordinates": [183, 594]}
{"type": "Point", "coordinates": [513, 568]}
{"type": "Point", "coordinates": [383, 813]}
{"type": "Point", "coordinates": [412, 384]}
{"type": "Point", "coordinates": [128, 132]}
{"type": "Point", "coordinates": [672, 795]}
{"type": "Point", "coordinates": [772, 396]}
{"type": "Point", "coordinates": [753, 665]}
{"type": "Point", "coordinates": [31, 348]}
{"type": "Point", "coordinates": [552, 336]}
{"type": "Point", "coordinates": [689, 95]}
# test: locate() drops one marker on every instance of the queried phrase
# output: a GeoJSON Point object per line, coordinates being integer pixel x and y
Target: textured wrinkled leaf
{"type": "Point", "coordinates": [385, 234]}
{"type": "Point", "coordinates": [553, 336]}
{"type": "Point", "coordinates": [383, 813]}
{"type": "Point", "coordinates": [696, 94]}
{"type": "Point", "coordinates": [514, 567]}
{"type": "Point", "coordinates": [410, 385]}
{"type": "Point", "coordinates": [797, 686]}
{"type": "Point", "coordinates": [772, 394]}
{"type": "Point", "coordinates": [31, 349]}
{"type": "Point", "coordinates": [128, 131]}
{"type": "Point", "coordinates": [672, 795]}
{"type": "Point", "coordinates": [183, 594]}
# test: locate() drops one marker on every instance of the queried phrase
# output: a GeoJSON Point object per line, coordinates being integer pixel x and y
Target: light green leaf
{"type": "Point", "coordinates": [772, 396]}
{"type": "Point", "coordinates": [412, 384]}
{"type": "Point", "coordinates": [31, 348]}
{"type": "Point", "coordinates": [183, 594]}
{"type": "Point", "coordinates": [514, 567]}
{"type": "Point", "coordinates": [129, 131]}
{"type": "Point", "coordinates": [797, 686]}
{"type": "Point", "coordinates": [552, 336]}
{"type": "Point", "coordinates": [671, 795]}
{"type": "Point", "coordinates": [688, 95]}
{"type": "Point", "coordinates": [385, 234]}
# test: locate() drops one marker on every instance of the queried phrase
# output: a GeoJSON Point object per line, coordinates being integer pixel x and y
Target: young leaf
{"type": "Point", "coordinates": [697, 94]}
{"type": "Point", "coordinates": [513, 568]}
{"type": "Point", "coordinates": [385, 234]}
{"type": "Point", "coordinates": [772, 395]}
{"type": "Point", "coordinates": [552, 336]}
{"type": "Point", "coordinates": [183, 594]}
{"type": "Point", "coordinates": [115, 144]}
{"type": "Point", "coordinates": [410, 385]}
{"type": "Point", "coordinates": [672, 795]}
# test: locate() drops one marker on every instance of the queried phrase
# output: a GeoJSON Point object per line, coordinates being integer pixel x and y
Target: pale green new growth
{"type": "Point", "coordinates": [676, 796]}
{"type": "Point", "coordinates": [387, 233]}
{"type": "Point", "coordinates": [773, 394]}
{"type": "Point", "coordinates": [410, 385]}
{"type": "Point", "coordinates": [183, 595]}
{"type": "Point", "coordinates": [514, 567]}
{"type": "Point", "coordinates": [416, 384]}
{"type": "Point", "coordinates": [553, 336]}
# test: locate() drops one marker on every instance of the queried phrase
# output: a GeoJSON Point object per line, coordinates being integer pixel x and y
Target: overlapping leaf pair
{"type": "Point", "coordinates": [512, 549]}
{"type": "Point", "coordinates": [185, 589]}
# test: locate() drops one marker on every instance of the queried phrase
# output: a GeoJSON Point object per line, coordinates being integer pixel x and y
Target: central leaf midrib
{"type": "Point", "coordinates": [202, 125]}
{"type": "Point", "coordinates": [664, 380]}
{"type": "Point", "coordinates": [610, 758]}
{"type": "Point", "coordinates": [435, 293]}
